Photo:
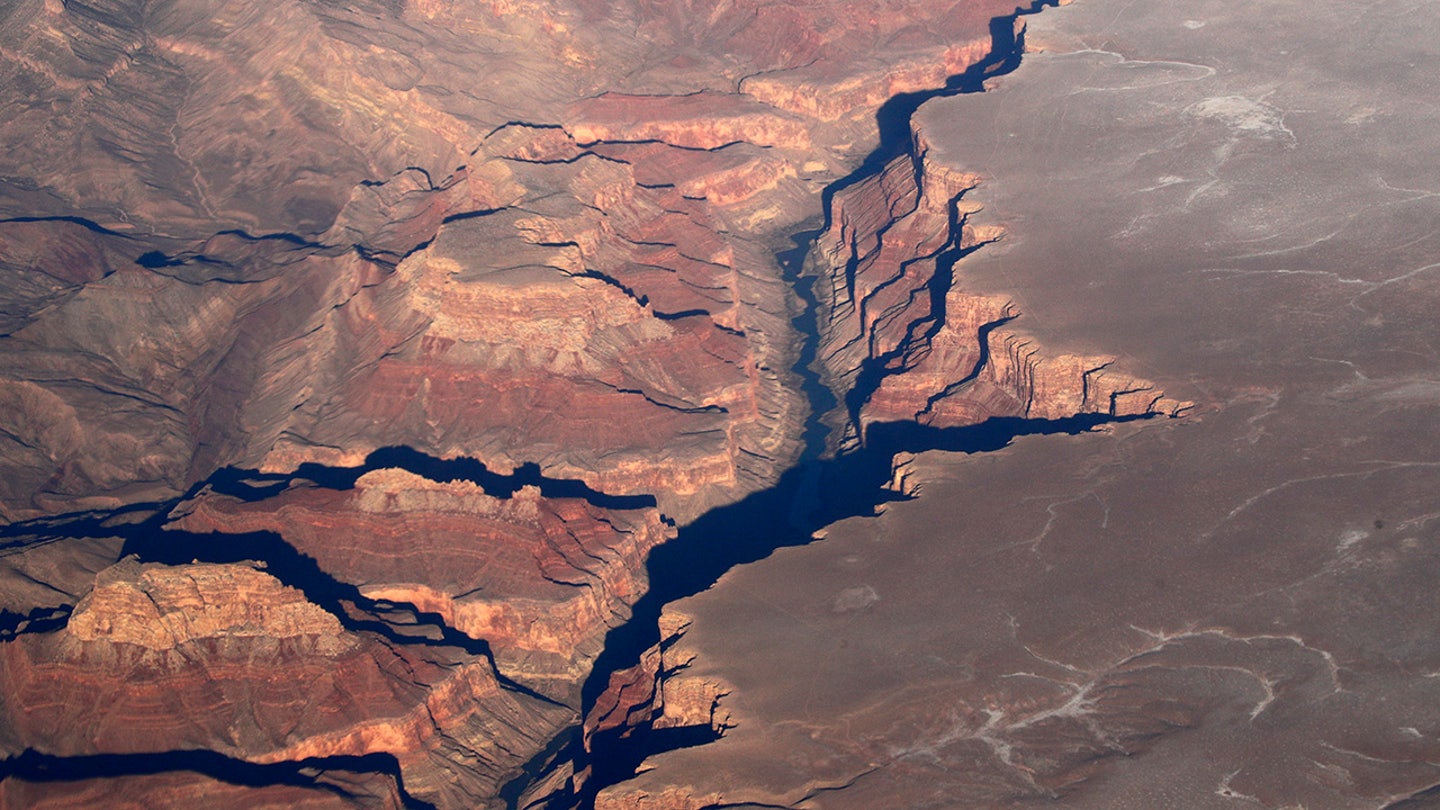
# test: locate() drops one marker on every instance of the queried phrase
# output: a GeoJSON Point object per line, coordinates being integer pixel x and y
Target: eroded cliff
{"type": "Point", "coordinates": [232, 228]}
{"type": "Point", "coordinates": [357, 356]}
{"type": "Point", "coordinates": [901, 339]}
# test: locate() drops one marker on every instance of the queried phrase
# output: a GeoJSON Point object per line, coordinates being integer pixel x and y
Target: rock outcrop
{"type": "Point", "coordinates": [655, 694]}
{"type": "Point", "coordinates": [233, 229]}
{"type": "Point", "coordinates": [539, 579]}
{"type": "Point", "coordinates": [902, 340]}
{"type": "Point", "coordinates": [159, 659]}
{"type": "Point", "coordinates": [657, 689]}
{"type": "Point", "coordinates": [333, 791]}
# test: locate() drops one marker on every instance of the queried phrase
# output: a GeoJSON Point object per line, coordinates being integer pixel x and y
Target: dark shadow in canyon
{"type": "Point", "coordinates": [818, 491]}
{"type": "Point", "coordinates": [249, 485]}
{"type": "Point", "coordinates": [1007, 48]}
{"type": "Point", "coordinates": [145, 532]}
{"type": "Point", "coordinates": [143, 529]}
{"type": "Point", "coordinates": [853, 485]}
{"type": "Point", "coordinates": [32, 766]}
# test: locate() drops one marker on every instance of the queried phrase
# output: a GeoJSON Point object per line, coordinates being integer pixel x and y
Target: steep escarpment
{"type": "Point", "coordinates": [539, 578]}
{"type": "Point", "coordinates": [232, 229]}
{"type": "Point", "coordinates": [332, 789]}
{"type": "Point", "coordinates": [917, 363]}
{"type": "Point", "coordinates": [427, 624]}
{"type": "Point", "coordinates": [902, 340]}
{"type": "Point", "coordinates": [501, 315]}
{"type": "Point", "coordinates": [225, 658]}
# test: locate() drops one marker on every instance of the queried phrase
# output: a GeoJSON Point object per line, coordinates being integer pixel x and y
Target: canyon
{"type": "Point", "coordinates": [1231, 609]}
{"type": "Point", "coordinates": [437, 404]}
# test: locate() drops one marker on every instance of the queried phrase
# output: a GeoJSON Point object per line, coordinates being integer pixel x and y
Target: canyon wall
{"type": "Point", "coordinates": [354, 357]}
{"type": "Point", "coordinates": [901, 338]}
{"type": "Point", "coordinates": [232, 228]}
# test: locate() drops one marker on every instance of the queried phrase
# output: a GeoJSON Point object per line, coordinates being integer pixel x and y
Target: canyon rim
{"type": "Point", "coordinates": [438, 404]}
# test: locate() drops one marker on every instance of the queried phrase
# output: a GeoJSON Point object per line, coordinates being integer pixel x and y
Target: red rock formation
{"type": "Point", "coordinates": [226, 658]}
{"type": "Point", "coordinates": [657, 693]}
{"type": "Point", "coordinates": [898, 324]}
{"type": "Point", "coordinates": [228, 349]}
{"type": "Point", "coordinates": [540, 579]}
{"type": "Point", "coordinates": [266, 235]}
{"type": "Point", "coordinates": [514, 335]}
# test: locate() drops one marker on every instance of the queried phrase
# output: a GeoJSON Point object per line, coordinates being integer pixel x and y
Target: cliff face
{"type": "Point", "coordinates": [901, 339]}
{"type": "Point", "coordinates": [539, 579]}
{"type": "Point", "coordinates": [232, 229]}
{"type": "Point", "coordinates": [225, 658]}
{"type": "Point", "coordinates": [572, 317]}
{"type": "Point", "coordinates": [502, 316]}
{"type": "Point", "coordinates": [335, 790]}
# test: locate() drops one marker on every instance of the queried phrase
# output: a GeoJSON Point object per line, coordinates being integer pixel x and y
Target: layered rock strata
{"type": "Point", "coordinates": [656, 693]}
{"type": "Point", "coordinates": [420, 619]}
{"type": "Point", "coordinates": [224, 657]}
{"type": "Point", "coordinates": [231, 229]}
{"type": "Point", "coordinates": [193, 790]}
{"type": "Point", "coordinates": [536, 236]}
{"type": "Point", "coordinates": [539, 579]}
{"type": "Point", "coordinates": [901, 338]}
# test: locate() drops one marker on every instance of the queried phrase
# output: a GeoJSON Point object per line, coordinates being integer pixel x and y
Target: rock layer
{"type": "Point", "coordinates": [539, 579]}
{"type": "Point", "coordinates": [901, 338]}
{"type": "Point", "coordinates": [253, 246]}
{"type": "Point", "coordinates": [229, 225]}
{"type": "Point", "coordinates": [182, 789]}
{"type": "Point", "coordinates": [1221, 611]}
{"type": "Point", "coordinates": [224, 657]}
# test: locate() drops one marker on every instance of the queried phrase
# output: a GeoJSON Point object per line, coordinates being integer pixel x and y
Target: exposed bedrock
{"type": "Point", "coordinates": [540, 579]}
{"type": "Point", "coordinates": [444, 622]}
{"type": "Point", "coordinates": [332, 791]}
{"type": "Point", "coordinates": [264, 116]}
{"type": "Point", "coordinates": [226, 658]}
{"type": "Point", "coordinates": [226, 293]}
{"type": "Point", "coordinates": [578, 320]}
{"type": "Point", "coordinates": [657, 698]}
{"type": "Point", "coordinates": [901, 339]}
{"type": "Point", "coordinates": [393, 263]}
{"type": "Point", "coordinates": [275, 240]}
{"type": "Point", "coordinates": [541, 305]}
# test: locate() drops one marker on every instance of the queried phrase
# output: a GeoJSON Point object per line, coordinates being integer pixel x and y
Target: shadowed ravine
{"type": "Point", "coordinates": [854, 484]}
{"type": "Point", "coordinates": [152, 539]}
{"type": "Point", "coordinates": [35, 767]}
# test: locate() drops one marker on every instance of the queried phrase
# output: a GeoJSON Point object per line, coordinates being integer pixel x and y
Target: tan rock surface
{"type": "Point", "coordinates": [540, 579]}
{"type": "Point", "coordinates": [161, 608]}
{"type": "Point", "coordinates": [223, 657]}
